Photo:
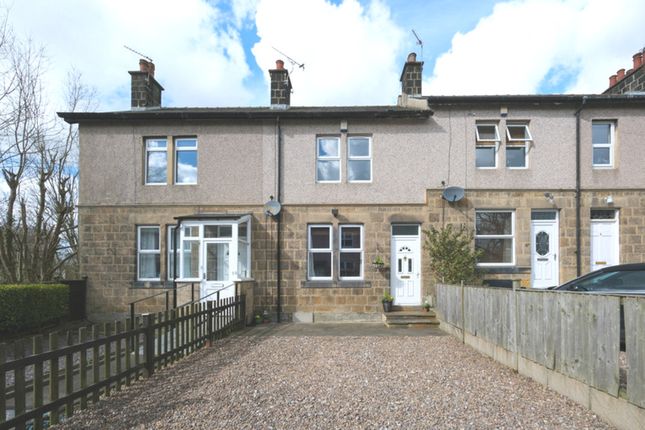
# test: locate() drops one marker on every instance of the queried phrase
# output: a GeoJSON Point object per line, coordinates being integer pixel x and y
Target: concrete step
{"type": "Point", "coordinates": [409, 318]}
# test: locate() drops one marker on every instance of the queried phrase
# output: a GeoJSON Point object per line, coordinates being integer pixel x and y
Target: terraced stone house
{"type": "Point", "coordinates": [309, 201]}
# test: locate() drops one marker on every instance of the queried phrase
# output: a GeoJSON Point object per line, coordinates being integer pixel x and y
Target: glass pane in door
{"type": "Point", "coordinates": [217, 262]}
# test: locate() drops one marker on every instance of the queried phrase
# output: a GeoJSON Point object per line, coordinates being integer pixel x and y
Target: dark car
{"type": "Point", "coordinates": [623, 279]}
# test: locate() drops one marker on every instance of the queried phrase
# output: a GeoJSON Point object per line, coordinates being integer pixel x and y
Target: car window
{"type": "Point", "coordinates": [608, 281]}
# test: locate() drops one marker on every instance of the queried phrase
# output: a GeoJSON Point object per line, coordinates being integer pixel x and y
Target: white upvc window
{"type": "Point", "coordinates": [350, 260]}
{"type": "Point", "coordinates": [156, 162]}
{"type": "Point", "coordinates": [487, 145]}
{"type": "Point", "coordinates": [186, 161]}
{"type": "Point", "coordinates": [189, 253]}
{"type": "Point", "coordinates": [359, 159]}
{"type": "Point", "coordinates": [495, 237]}
{"type": "Point", "coordinates": [328, 159]}
{"type": "Point", "coordinates": [319, 256]}
{"type": "Point", "coordinates": [148, 253]}
{"type": "Point", "coordinates": [602, 139]}
{"type": "Point", "coordinates": [518, 140]}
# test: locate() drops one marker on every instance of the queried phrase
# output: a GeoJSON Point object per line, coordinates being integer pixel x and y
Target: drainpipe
{"type": "Point", "coordinates": [278, 220]}
{"type": "Point", "coordinates": [578, 190]}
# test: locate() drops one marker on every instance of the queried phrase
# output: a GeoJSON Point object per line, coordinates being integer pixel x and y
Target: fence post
{"type": "Point", "coordinates": [463, 314]}
{"type": "Point", "coordinates": [516, 317]}
{"type": "Point", "coordinates": [149, 343]}
{"type": "Point", "coordinates": [209, 321]}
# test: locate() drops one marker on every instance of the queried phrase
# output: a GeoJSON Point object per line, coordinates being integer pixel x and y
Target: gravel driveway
{"type": "Point", "coordinates": [324, 382]}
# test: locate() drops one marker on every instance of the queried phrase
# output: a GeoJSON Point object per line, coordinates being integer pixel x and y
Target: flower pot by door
{"type": "Point", "coordinates": [387, 306]}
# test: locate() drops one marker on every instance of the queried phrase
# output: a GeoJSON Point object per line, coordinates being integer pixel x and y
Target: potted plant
{"type": "Point", "coordinates": [426, 306]}
{"type": "Point", "coordinates": [258, 318]}
{"type": "Point", "coordinates": [387, 302]}
{"type": "Point", "coordinates": [378, 263]}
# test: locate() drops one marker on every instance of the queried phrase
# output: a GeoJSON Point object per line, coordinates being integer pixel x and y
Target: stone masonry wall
{"type": "Point", "coordinates": [108, 246]}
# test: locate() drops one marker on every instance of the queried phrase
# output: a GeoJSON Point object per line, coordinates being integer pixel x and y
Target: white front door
{"type": "Point", "coordinates": [406, 265]}
{"type": "Point", "coordinates": [217, 271]}
{"type": "Point", "coordinates": [604, 238]}
{"type": "Point", "coordinates": [544, 249]}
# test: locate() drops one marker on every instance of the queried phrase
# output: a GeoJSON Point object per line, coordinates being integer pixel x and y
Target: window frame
{"type": "Point", "coordinates": [351, 158]}
{"type": "Point", "coordinates": [360, 251]}
{"type": "Point", "coordinates": [610, 144]}
{"type": "Point", "coordinates": [513, 142]}
{"type": "Point", "coordinates": [170, 231]}
{"type": "Point", "coordinates": [146, 181]}
{"type": "Point", "coordinates": [329, 158]}
{"type": "Point", "coordinates": [487, 143]}
{"type": "Point", "coordinates": [148, 251]}
{"type": "Point", "coordinates": [329, 250]}
{"type": "Point", "coordinates": [497, 236]}
{"type": "Point", "coordinates": [177, 150]}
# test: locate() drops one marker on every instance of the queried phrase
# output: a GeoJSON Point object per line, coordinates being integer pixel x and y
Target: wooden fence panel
{"type": "Point", "coordinates": [573, 359]}
{"type": "Point", "coordinates": [604, 339]}
{"type": "Point", "coordinates": [474, 313]}
{"type": "Point", "coordinates": [532, 339]}
{"type": "Point", "coordinates": [449, 303]}
{"type": "Point", "coordinates": [635, 349]}
{"type": "Point", "coordinates": [589, 339]}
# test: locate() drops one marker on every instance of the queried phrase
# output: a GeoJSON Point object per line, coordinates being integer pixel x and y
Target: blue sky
{"type": "Point", "coordinates": [216, 53]}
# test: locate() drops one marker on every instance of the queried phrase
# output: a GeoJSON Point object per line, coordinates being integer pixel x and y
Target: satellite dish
{"type": "Point", "coordinates": [453, 194]}
{"type": "Point", "coordinates": [272, 207]}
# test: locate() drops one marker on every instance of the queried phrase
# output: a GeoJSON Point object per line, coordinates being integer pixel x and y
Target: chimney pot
{"type": "Point", "coordinates": [612, 80]}
{"type": "Point", "coordinates": [638, 60]}
{"type": "Point", "coordinates": [147, 67]}
{"type": "Point", "coordinates": [412, 57]}
{"type": "Point", "coordinates": [279, 64]}
{"type": "Point", "coordinates": [620, 74]}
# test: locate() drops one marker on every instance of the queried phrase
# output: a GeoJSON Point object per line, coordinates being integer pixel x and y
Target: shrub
{"type": "Point", "coordinates": [452, 256]}
{"type": "Point", "coordinates": [24, 307]}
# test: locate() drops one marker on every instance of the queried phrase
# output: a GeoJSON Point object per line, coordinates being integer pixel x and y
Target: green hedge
{"type": "Point", "coordinates": [24, 307]}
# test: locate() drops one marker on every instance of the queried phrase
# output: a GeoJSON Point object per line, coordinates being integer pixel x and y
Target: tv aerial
{"type": "Point", "coordinates": [419, 41]}
{"type": "Point", "coordinates": [453, 194]}
{"type": "Point", "coordinates": [291, 60]}
{"type": "Point", "coordinates": [138, 53]}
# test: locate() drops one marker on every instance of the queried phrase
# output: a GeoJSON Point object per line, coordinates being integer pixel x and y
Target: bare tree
{"type": "Point", "coordinates": [38, 236]}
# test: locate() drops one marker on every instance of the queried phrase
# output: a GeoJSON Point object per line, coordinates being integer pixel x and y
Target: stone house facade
{"type": "Point", "coordinates": [552, 186]}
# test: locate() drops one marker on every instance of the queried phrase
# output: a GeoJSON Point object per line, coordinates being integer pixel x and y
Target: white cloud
{"type": "Point", "coordinates": [523, 42]}
{"type": "Point", "coordinates": [196, 48]}
{"type": "Point", "coordinates": [350, 52]}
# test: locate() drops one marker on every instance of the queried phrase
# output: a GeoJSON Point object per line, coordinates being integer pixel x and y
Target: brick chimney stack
{"type": "Point", "coordinates": [146, 91]}
{"type": "Point", "coordinates": [411, 76]}
{"type": "Point", "coordinates": [280, 86]}
{"type": "Point", "coordinates": [630, 81]}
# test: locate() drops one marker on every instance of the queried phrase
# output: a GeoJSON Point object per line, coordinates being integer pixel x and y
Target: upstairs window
{"type": "Point", "coordinates": [148, 253]}
{"type": "Point", "coordinates": [518, 138]}
{"type": "Point", "coordinates": [156, 161]}
{"type": "Point", "coordinates": [487, 144]}
{"type": "Point", "coordinates": [495, 237]}
{"type": "Point", "coordinates": [320, 252]}
{"type": "Point", "coordinates": [186, 161]}
{"type": "Point", "coordinates": [602, 139]}
{"type": "Point", "coordinates": [351, 252]}
{"type": "Point", "coordinates": [359, 159]}
{"type": "Point", "coordinates": [328, 159]}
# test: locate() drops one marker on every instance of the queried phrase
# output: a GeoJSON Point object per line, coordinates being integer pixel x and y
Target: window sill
{"type": "Point", "coordinates": [151, 284]}
{"type": "Point", "coordinates": [335, 284]}
{"type": "Point", "coordinates": [504, 269]}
